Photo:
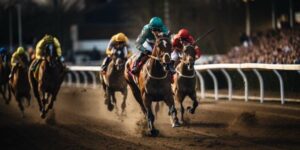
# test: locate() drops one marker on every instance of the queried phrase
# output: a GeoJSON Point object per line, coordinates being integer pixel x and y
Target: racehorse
{"type": "Point", "coordinates": [46, 80]}
{"type": "Point", "coordinates": [113, 80]}
{"type": "Point", "coordinates": [4, 80]}
{"type": "Point", "coordinates": [185, 81]}
{"type": "Point", "coordinates": [153, 83]}
{"type": "Point", "coordinates": [19, 84]}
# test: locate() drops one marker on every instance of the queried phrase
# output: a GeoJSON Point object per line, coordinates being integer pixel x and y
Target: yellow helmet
{"type": "Point", "coordinates": [48, 37]}
{"type": "Point", "coordinates": [20, 50]}
{"type": "Point", "coordinates": [121, 37]}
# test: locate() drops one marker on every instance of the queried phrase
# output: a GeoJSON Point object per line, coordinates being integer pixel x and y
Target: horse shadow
{"type": "Point", "coordinates": [207, 125]}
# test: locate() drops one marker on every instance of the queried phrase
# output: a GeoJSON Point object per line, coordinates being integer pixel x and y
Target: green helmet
{"type": "Point", "coordinates": [156, 22]}
{"type": "Point", "coordinates": [20, 50]}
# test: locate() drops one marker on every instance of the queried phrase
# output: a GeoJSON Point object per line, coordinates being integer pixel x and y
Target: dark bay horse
{"type": "Point", "coordinates": [46, 81]}
{"type": "Point", "coordinates": [4, 80]}
{"type": "Point", "coordinates": [153, 83]}
{"type": "Point", "coordinates": [185, 80]}
{"type": "Point", "coordinates": [19, 84]}
{"type": "Point", "coordinates": [113, 80]}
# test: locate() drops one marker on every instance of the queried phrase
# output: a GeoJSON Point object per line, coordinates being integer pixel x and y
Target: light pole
{"type": "Point", "coordinates": [248, 17]}
{"type": "Point", "coordinates": [10, 28]}
{"type": "Point", "coordinates": [291, 14]}
{"type": "Point", "coordinates": [166, 13]}
{"type": "Point", "coordinates": [19, 12]}
{"type": "Point", "coordinates": [273, 15]}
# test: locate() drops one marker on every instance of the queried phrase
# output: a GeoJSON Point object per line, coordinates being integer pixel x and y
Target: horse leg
{"type": "Point", "coordinates": [53, 98]}
{"type": "Point", "coordinates": [150, 117]}
{"type": "Point", "coordinates": [137, 95]}
{"type": "Point", "coordinates": [156, 108]}
{"type": "Point", "coordinates": [125, 93]}
{"type": "Point", "coordinates": [110, 106]}
{"type": "Point", "coordinates": [43, 112]}
{"type": "Point", "coordinates": [179, 98]}
{"type": "Point", "coordinates": [169, 100]}
{"type": "Point", "coordinates": [195, 103]}
{"type": "Point", "coordinates": [38, 98]}
{"type": "Point", "coordinates": [28, 97]}
{"type": "Point", "coordinates": [114, 101]}
{"type": "Point", "coordinates": [20, 105]}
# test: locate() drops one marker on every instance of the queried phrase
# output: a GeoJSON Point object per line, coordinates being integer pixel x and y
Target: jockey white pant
{"type": "Point", "coordinates": [175, 55]}
{"type": "Point", "coordinates": [148, 46]}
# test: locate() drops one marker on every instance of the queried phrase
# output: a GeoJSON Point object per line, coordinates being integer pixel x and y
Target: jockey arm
{"type": "Point", "coordinates": [109, 48]}
{"type": "Point", "coordinates": [197, 48]}
{"type": "Point", "coordinates": [40, 45]}
{"type": "Point", "coordinates": [15, 59]}
{"type": "Point", "coordinates": [38, 49]}
{"type": "Point", "coordinates": [57, 46]}
{"type": "Point", "coordinates": [141, 39]}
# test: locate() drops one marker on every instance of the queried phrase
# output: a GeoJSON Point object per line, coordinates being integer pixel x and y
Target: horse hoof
{"type": "Point", "coordinates": [110, 107]}
{"type": "Point", "coordinates": [176, 124]}
{"type": "Point", "coordinates": [154, 133]}
{"type": "Point", "coordinates": [43, 115]}
{"type": "Point", "coordinates": [190, 110]}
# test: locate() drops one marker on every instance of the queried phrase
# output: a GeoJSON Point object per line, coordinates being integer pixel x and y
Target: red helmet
{"type": "Point", "coordinates": [183, 33]}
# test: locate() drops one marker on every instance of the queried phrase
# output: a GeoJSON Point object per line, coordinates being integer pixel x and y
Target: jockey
{"type": "Point", "coordinates": [4, 54]}
{"type": "Point", "coordinates": [47, 41]}
{"type": "Point", "coordinates": [17, 58]}
{"type": "Point", "coordinates": [182, 37]}
{"type": "Point", "coordinates": [117, 42]}
{"type": "Point", "coordinates": [146, 41]}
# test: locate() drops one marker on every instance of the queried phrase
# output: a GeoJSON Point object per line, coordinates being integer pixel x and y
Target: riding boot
{"type": "Point", "coordinates": [136, 66]}
{"type": "Point", "coordinates": [13, 70]}
{"type": "Point", "coordinates": [105, 64]}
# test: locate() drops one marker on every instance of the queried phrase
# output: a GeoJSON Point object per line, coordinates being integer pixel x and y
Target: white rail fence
{"type": "Point", "coordinates": [86, 71]}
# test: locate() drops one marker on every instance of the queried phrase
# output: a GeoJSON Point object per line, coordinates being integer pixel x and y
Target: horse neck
{"type": "Point", "coordinates": [21, 72]}
{"type": "Point", "coordinates": [183, 68]}
{"type": "Point", "coordinates": [155, 68]}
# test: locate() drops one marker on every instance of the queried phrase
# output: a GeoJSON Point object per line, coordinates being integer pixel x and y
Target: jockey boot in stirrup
{"type": "Point", "coordinates": [105, 64]}
{"type": "Point", "coordinates": [136, 66]}
{"type": "Point", "coordinates": [13, 70]}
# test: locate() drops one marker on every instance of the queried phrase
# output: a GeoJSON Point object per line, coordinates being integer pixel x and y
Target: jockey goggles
{"type": "Point", "coordinates": [156, 29]}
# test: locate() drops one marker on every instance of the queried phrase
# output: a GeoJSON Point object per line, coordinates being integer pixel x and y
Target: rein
{"type": "Point", "coordinates": [185, 76]}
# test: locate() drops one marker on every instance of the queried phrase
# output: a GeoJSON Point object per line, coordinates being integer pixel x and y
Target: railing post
{"type": "Point", "coordinates": [245, 83]}
{"type": "Point", "coordinates": [93, 79]}
{"type": "Point", "coordinates": [229, 82]}
{"type": "Point", "coordinates": [281, 86]}
{"type": "Point", "coordinates": [215, 83]}
{"type": "Point", "coordinates": [77, 79]}
{"type": "Point", "coordinates": [202, 84]}
{"type": "Point", "coordinates": [261, 85]}
{"type": "Point", "coordinates": [69, 78]}
{"type": "Point", "coordinates": [84, 78]}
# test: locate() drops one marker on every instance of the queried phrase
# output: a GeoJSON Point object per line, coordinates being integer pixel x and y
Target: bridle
{"type": "Point", "coordinates": [186, 62]}
{"type": "Point", "coordinates": [157, 58]}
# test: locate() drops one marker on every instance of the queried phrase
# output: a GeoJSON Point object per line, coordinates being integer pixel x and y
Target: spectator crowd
{"type": "Point", "coordinates": [272, 47]}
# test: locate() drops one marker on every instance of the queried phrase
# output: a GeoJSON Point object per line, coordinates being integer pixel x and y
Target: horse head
{"type": "Point", "coordinates": [188, 56]}
{"type": "Point", "coordinates": [162, 50]}
{"type": "Point", "coordinates": [118, 58]}
{"type": "Point", "coordinates": [50, 55]}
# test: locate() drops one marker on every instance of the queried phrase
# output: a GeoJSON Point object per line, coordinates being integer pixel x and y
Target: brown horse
{"type": "Point", "coordinates": [4, 81]}
{"type": "Point", "coordinates": [19, 84]}
{"type": "Point", "coordinates": [185, 81]}
{"type": "Point", "coordinates": [113, 80]}
{"type": "Point", "coordinates": [46, 81]}
{"type": "Point", "coordinates": [153, 83]}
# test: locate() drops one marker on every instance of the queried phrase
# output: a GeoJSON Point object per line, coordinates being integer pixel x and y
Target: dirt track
{"type": "Point", "coordinates": [81, 121]}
